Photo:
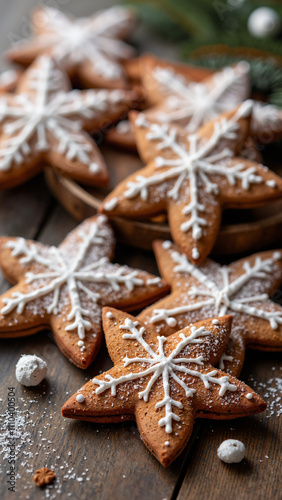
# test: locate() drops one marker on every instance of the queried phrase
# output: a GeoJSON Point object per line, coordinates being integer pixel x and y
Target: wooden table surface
{"type": "Point", "coordinates": [106, 462]}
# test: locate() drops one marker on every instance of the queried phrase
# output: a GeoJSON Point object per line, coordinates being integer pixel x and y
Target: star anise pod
{"type": "Point", "coordinates": [43, 476]}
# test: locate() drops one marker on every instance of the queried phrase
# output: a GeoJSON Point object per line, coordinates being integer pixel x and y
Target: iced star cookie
{"type": "Point", "coordinates": [186, 72]}
{"type": "Point", "coordinates": [163, 383]}
{"type": "Point", "coordinates": [91, 49]}
{"type": "Point", "coordinates": [65, 288]}
{"type": "Point", "coordinates": [193, 177]}
{"type": "Point", "coordinates": [44, 121]}
{"type": "Point", "coordinates": [179, 98]}
{"type": "Point", "coordinates": [242, 289]}
{"type": "Point", "coordinates": [191, 96]}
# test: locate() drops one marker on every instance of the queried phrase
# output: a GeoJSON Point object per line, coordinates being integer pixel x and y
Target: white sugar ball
{"type": "Point", "coordinates": [30, 370]}
{"type": "Point", "coordinates": [80, 398]}
{"type": "Point", "coordinates": [231, 451]}
{"type": "Point", "coordinates": [264, 22]}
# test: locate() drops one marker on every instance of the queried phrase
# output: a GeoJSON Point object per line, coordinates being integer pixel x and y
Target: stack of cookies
{"type": "Point", "coordinates": [197, 132]}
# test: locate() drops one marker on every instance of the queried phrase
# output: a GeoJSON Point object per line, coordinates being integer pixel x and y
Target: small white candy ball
{"type": "Point", "coordinates": [231, 451]}
{"type": "Point", "coordinates": [30, 370]}
{"type": "Point", "coordinates": [264, 22]}
{"type": "Point", "coordinates": [80, 398]}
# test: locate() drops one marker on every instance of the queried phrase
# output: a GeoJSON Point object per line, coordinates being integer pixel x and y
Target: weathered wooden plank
{"type": "Point", "coordinates": [259, 474]}
{"type": "Point", "coordinates": [23, 211]}
{"type": "Point", "coordinates": [109, 461]}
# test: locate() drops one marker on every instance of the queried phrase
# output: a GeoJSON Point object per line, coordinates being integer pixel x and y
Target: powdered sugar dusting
{"type": "Point", "coordinates": [271, 391]}
{"type": "Point", "coordinates": [31, 454]}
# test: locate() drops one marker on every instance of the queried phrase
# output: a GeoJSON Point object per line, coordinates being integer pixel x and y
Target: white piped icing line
{"type": "Point", "coordinates": [111, 204]}
{"type": "Point", "coordinates": [195, 103]}
{"type": "Point", "coordinates": [94, 41]}
{"type": "Point", "coordinates": [153, 281]}
{"type": "Point", "coordinates": [224, 357]}
{"type": "Point", "coordinates": [48, 115]}
{"type": "Point", "coordinates": [195, 167]}
{"type": "Point", "coordinates": [265, 118]}
{"type": "Point", "coordinates": [223, 299]}
{"type": "Point", "coordinates": [73, 277]}
{"type": "Point", "coordinates": [168, 367]}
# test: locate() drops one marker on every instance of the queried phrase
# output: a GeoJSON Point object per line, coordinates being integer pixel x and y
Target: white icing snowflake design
{"type": "Point", "coordinates": [222, 300]}
{"type": "Point", "coordinates": [93, 41]}
{"type": "Point", "coordinates": [166, 367]}
{"type": "Point", "coordinates": [266, 121]}
{"type": "Point", "coordinates": [193, 167]}
{"type": "Point", "coordinates": [71, 277]}
{"type": "Point", "coordinates": [193, 103]}
{"type": "Point", "coordinates": [48, 113]}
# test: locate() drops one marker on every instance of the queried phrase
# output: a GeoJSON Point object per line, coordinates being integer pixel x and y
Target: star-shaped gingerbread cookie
{"type": "Point", "coordinates": [164, 383]}
{"type": "Point", "coordinates": [43, 123]}
{"type": "Point", "coordinates": [242, 289]}
{"type": "Point", "coordinates": [64, 288]}
{"type": "Point", "coordinates": [178, 97]}
{"type": "Point", "coordinates": [91, 49]}
{"type": "Point", "coordinates": [191, 96]}
{"type": "Point", "coordinates": [193, 177]}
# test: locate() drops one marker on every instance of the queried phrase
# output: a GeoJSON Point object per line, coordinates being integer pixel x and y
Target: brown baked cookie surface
{"type": "Point", "coordinates": [193, 177]}
{"type": "Point", "coordinates": [90, 49]}
{"type": "Point", "coordinates": [163, 383]}
{"type": "Point", "coordinates": [242, 289]}
{"type": "Point", "coordinates": [181, 95]}
{"type": "Point", "coordinates": [44, 122]}
{"type": "Point", "coordinates": [65, 288]}
{"type": "Point", "coordinates": [149, 65]}
{"type": "Point", "coordinates": [191, 96]}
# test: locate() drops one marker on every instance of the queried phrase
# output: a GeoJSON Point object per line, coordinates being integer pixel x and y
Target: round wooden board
{"type": "Point", "coordinates": [242, 231]}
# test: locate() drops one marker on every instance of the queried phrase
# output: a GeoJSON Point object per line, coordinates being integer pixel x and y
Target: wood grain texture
{"type": "Point", "coordinates": [111, 460]}
{"type": "Point", "coordinates": [259, 475]}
